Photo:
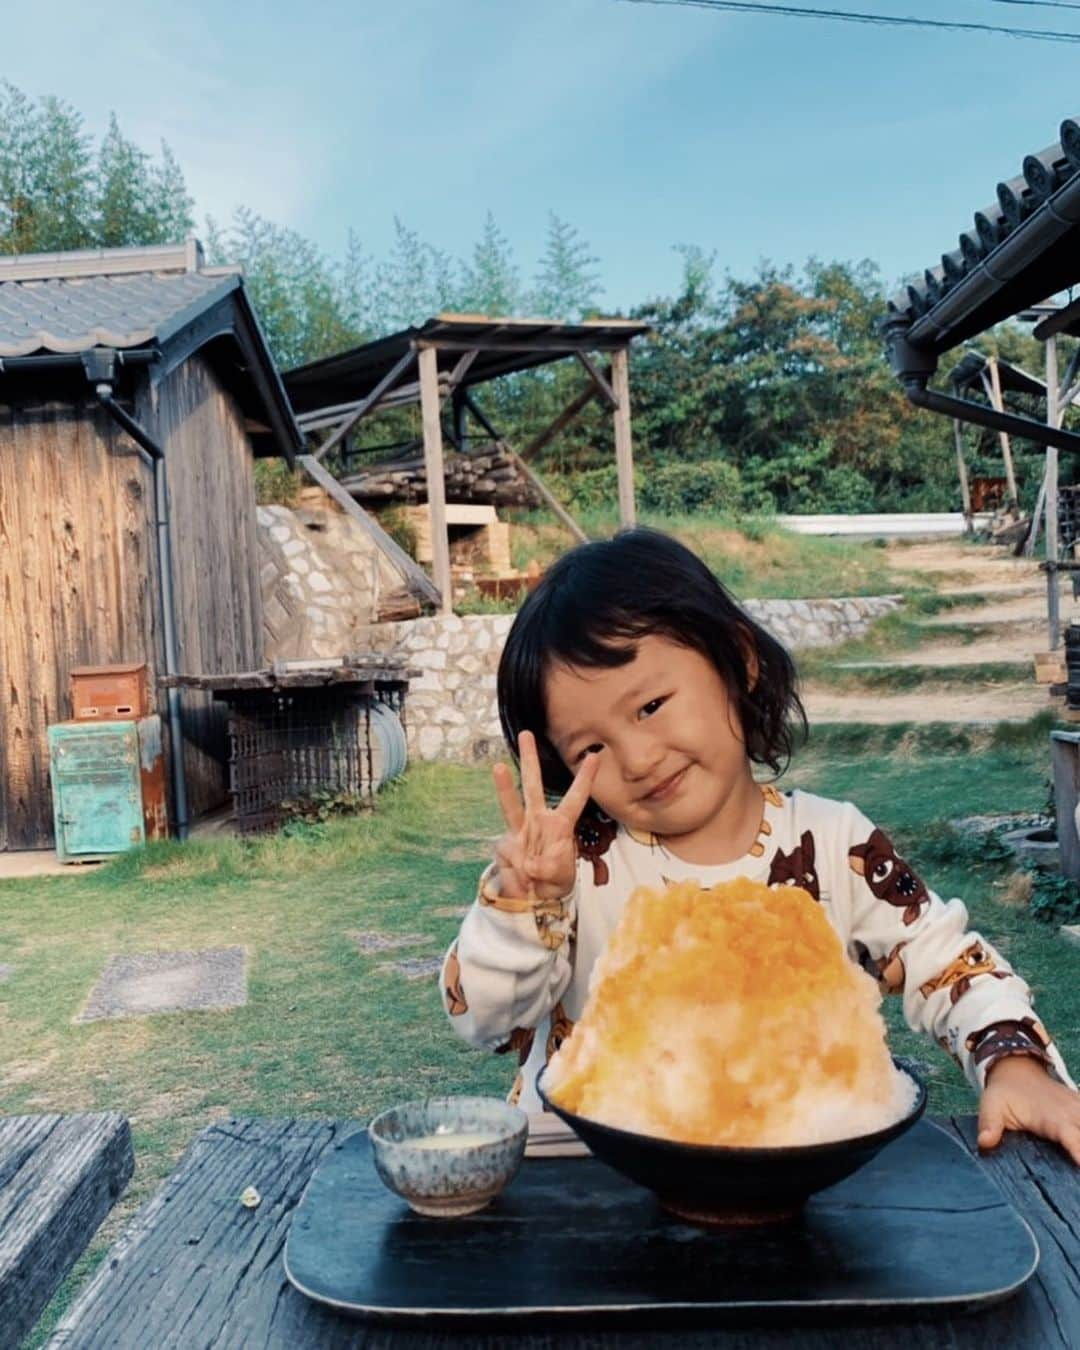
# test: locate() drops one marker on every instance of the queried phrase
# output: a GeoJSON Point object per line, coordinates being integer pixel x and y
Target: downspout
{"type": "Point", "coordinates": [99, 364]}
{"type": "Point", "coordinates": [914, 367]}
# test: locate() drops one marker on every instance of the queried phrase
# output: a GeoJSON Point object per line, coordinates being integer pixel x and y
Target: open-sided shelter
{"type": "Point", "coordinates": [1021, 249]}
{"type": "Point", "coordinates": [136, 390]}
{"type": "Point", "coordinates": [441, 362]}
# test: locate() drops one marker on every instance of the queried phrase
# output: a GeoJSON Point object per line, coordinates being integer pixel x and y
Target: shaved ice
{"type": "Point", "coordinates": [730, 1016]}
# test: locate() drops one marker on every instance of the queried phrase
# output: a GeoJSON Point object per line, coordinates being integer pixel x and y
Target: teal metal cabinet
{"type": "Point", "coordinates": [99, 775]}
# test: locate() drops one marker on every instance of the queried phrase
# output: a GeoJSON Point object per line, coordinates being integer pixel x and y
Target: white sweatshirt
{"type": "Point", "coordinates": [517, 976]}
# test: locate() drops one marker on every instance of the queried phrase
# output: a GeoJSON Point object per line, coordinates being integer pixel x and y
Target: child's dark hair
{"type": "Point", "coordinates": [594, 604]}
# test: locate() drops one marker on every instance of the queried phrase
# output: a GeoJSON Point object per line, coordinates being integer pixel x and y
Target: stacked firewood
{"type": "Point", "coordinates": [486, 475]}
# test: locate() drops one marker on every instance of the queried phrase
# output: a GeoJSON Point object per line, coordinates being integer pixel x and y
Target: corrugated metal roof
{"type": "Point", "coordinates": [969, 373]}
{"type": "Point", "coordinates": [72, 314]}
{"type": "Point", "coordinates": [505, 345]}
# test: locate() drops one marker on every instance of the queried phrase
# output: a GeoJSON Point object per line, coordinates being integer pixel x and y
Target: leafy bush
{"type": "Point", "coordinates": [1054, 898]}
{"type": "Point", "coordinates": [676, 489]}
{"type": "Point", "coordinates": [276, 484]}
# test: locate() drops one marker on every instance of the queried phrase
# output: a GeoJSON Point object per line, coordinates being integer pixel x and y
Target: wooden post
{"type": "Point", "coordinates": [433, 464]}
{"type": "Point", "coordinates": [1052, 589]}
{"type": "Point", "coordinates": [961, 468]}
{"type": "Point", "coordinates": [414, 576]}
{"type": "Point", "coordinates": [1065, 758]}
{"type": "Point", "coordinates": [461, 437]}
{"type": "Point", "coordinates": [1003, 436]}
{"type": "Point", "coordinates": [624, 453]}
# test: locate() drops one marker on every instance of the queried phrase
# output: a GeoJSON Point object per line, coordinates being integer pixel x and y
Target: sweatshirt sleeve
{"type": "Point", "coordinates": [956, 987]}
{"type": "Point", "coordinates": [509, 965]}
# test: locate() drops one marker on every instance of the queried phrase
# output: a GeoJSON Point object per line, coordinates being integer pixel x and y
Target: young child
{"type": "Point", "coordinates": [638, 697]}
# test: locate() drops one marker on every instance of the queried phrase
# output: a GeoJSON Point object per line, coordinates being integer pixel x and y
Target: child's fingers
{"type": "Point", "coordinates": [1069, 1140]}
{"type": "Point", "coordinates": [991, 1122]}
{"type": "Point", "coordinates": [580, 789]}
{"type": "Point", "coordinates": [532, 783]}
{"type": "Point", "coordinates": [509, 801]}
{"type": "Point", "coordinates": [546, 869]}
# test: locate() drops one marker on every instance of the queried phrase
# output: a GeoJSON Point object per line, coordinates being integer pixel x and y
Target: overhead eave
{"type": "Point", "coordinates": [1039, 258]}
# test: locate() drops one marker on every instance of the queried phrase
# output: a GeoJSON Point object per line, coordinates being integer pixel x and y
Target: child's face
{"type": "Point", "coordinates": [672, 755]}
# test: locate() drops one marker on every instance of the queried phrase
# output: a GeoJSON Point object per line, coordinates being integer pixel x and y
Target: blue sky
{"type": "Point", "coordinates": [644, 126]}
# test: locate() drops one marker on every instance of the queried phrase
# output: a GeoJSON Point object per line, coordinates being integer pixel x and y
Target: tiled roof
{"type": "Point", "coordinates": [1019, 250]}
{"type": "Point", "coordinates": [72, 314]}
{"type": "Point", "coordinates": [57, 305]}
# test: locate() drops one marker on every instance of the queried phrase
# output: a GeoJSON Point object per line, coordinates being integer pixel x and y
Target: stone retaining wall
{"type": "Point", "coordinates": [451, 708]}
{"type": "Point", "coordinates": [321, 578]}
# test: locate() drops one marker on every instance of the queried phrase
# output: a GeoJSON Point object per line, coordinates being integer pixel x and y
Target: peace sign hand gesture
{"type": "Point", "coordinates": [536, 856]}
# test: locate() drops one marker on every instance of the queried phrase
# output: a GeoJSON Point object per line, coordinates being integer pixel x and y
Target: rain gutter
{"type": "Point", "coordinates": [1050, 221]}
{"type": "Point", "coordinates": [99, 364]}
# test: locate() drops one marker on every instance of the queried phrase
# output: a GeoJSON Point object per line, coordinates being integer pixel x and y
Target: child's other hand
{"type": "Point", "coordinates": [1021, 1095]}
{"type": "Point", "coordinates": [536, 855]}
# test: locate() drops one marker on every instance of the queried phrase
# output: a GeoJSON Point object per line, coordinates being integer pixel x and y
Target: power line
{"type": "Point", "coordinates": [1041, 4]}
{"type": "Point", "coordinates": [884, 20]}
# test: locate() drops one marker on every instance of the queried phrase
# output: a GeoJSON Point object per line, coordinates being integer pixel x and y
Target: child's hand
{"type": "Point", "coordinates": [1021, 1095]}
{"type": "Point", "coordinates": [536, 855]}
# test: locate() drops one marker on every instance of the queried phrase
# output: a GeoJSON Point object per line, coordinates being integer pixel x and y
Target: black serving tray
{"type": "Point", "coordinates": [920, 1227]}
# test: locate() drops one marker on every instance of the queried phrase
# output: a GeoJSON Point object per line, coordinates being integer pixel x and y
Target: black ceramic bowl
{"type": "Point", "coordinates": [720, 1185]}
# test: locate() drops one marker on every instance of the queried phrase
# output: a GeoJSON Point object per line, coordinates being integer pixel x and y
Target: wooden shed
{"type": "Point", "coordinates": [136, 390]}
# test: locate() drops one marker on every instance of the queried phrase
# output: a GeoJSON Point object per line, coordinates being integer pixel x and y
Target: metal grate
{"type": "Point", "coordinates": [288, 745]}
{"type": "Point", "coordinates": [1068, 516]}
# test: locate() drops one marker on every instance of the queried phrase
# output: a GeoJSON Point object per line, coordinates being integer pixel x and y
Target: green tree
{"type": "Point", "coordinates": [56, 194]}
{"type": "Point", "coordinates": [138, 202]}
{"type": "Point", "coordinates": [567, 283]}
{"type": "Point", "coordinates": [297, 294]}
{"type": "Point", "coordinates": [491, 282]}
{"type": "Point", "coordinates": [46, 175]}
{"type": "Point", "coordinates": [413, 282]}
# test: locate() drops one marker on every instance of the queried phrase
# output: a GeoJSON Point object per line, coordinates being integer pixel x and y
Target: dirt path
{"type": "Point", "coordinates": [1002, 703]}
{"type": "Point", "coordinates": [1011, 627]}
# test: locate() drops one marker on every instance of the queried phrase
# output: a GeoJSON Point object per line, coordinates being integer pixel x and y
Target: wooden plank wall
{"type": "Point", "coordinates": [215, 554]}
{"type": "Point", "coordinates": [78, 577]}
{"type": "Point", "coordinates": [78, 572]}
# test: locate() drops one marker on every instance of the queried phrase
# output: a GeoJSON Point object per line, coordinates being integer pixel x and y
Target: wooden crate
{"type": "Point", "coordinates": [1050, 668]}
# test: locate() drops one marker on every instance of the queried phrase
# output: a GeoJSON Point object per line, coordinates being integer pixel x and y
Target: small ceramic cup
{"type": "Point", "coordinates": [472, 1147]}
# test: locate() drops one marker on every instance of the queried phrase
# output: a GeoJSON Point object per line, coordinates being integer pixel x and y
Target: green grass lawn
{"type": "Point", "coordinates": [328, 1031]}
{"type": "Point", "coordinates": [754, 558]}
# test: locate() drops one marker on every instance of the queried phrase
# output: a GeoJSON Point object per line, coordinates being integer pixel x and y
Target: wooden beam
{"type": "Point", "coordinates": [417, 580]}
{"type": "Point", "coordinates": [365, 405]}
{"type": "Point", "coordinates": [461, 369]}
{"type": "Point", "coordinates": [568, 414]}
{"type": "Point", "coordinates": [436, 486]}
{"type": "Point", "coordinates": [599, 380]}
{"type": "Point", "coordinates": [545, 492]}
{"type": "Point", "coordinates": [334, 415]}
{"type": "Point", "coordinates": [993, 390]}
{"type": "Point", "coordinates": [624, 453]}
{"type": "Point", "coordinates": [567, 346]}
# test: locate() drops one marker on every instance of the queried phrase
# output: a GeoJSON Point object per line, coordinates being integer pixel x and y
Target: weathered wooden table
{"type": "Point", "coordinates": [59, 1177]}
{"type": "Point", "coordinates": [197, 1269]}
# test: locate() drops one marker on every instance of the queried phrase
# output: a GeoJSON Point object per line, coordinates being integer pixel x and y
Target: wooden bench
{"type": "Point", "coordinates": [59, 1177]}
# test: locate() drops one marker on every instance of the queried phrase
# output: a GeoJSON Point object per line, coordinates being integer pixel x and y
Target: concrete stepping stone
{"type": "Point", "coordinates": [159, 982]}
{"type": "Point", "coordinates": [6, 972]}
{"type": "Point", "coordinates": [416, 967]}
